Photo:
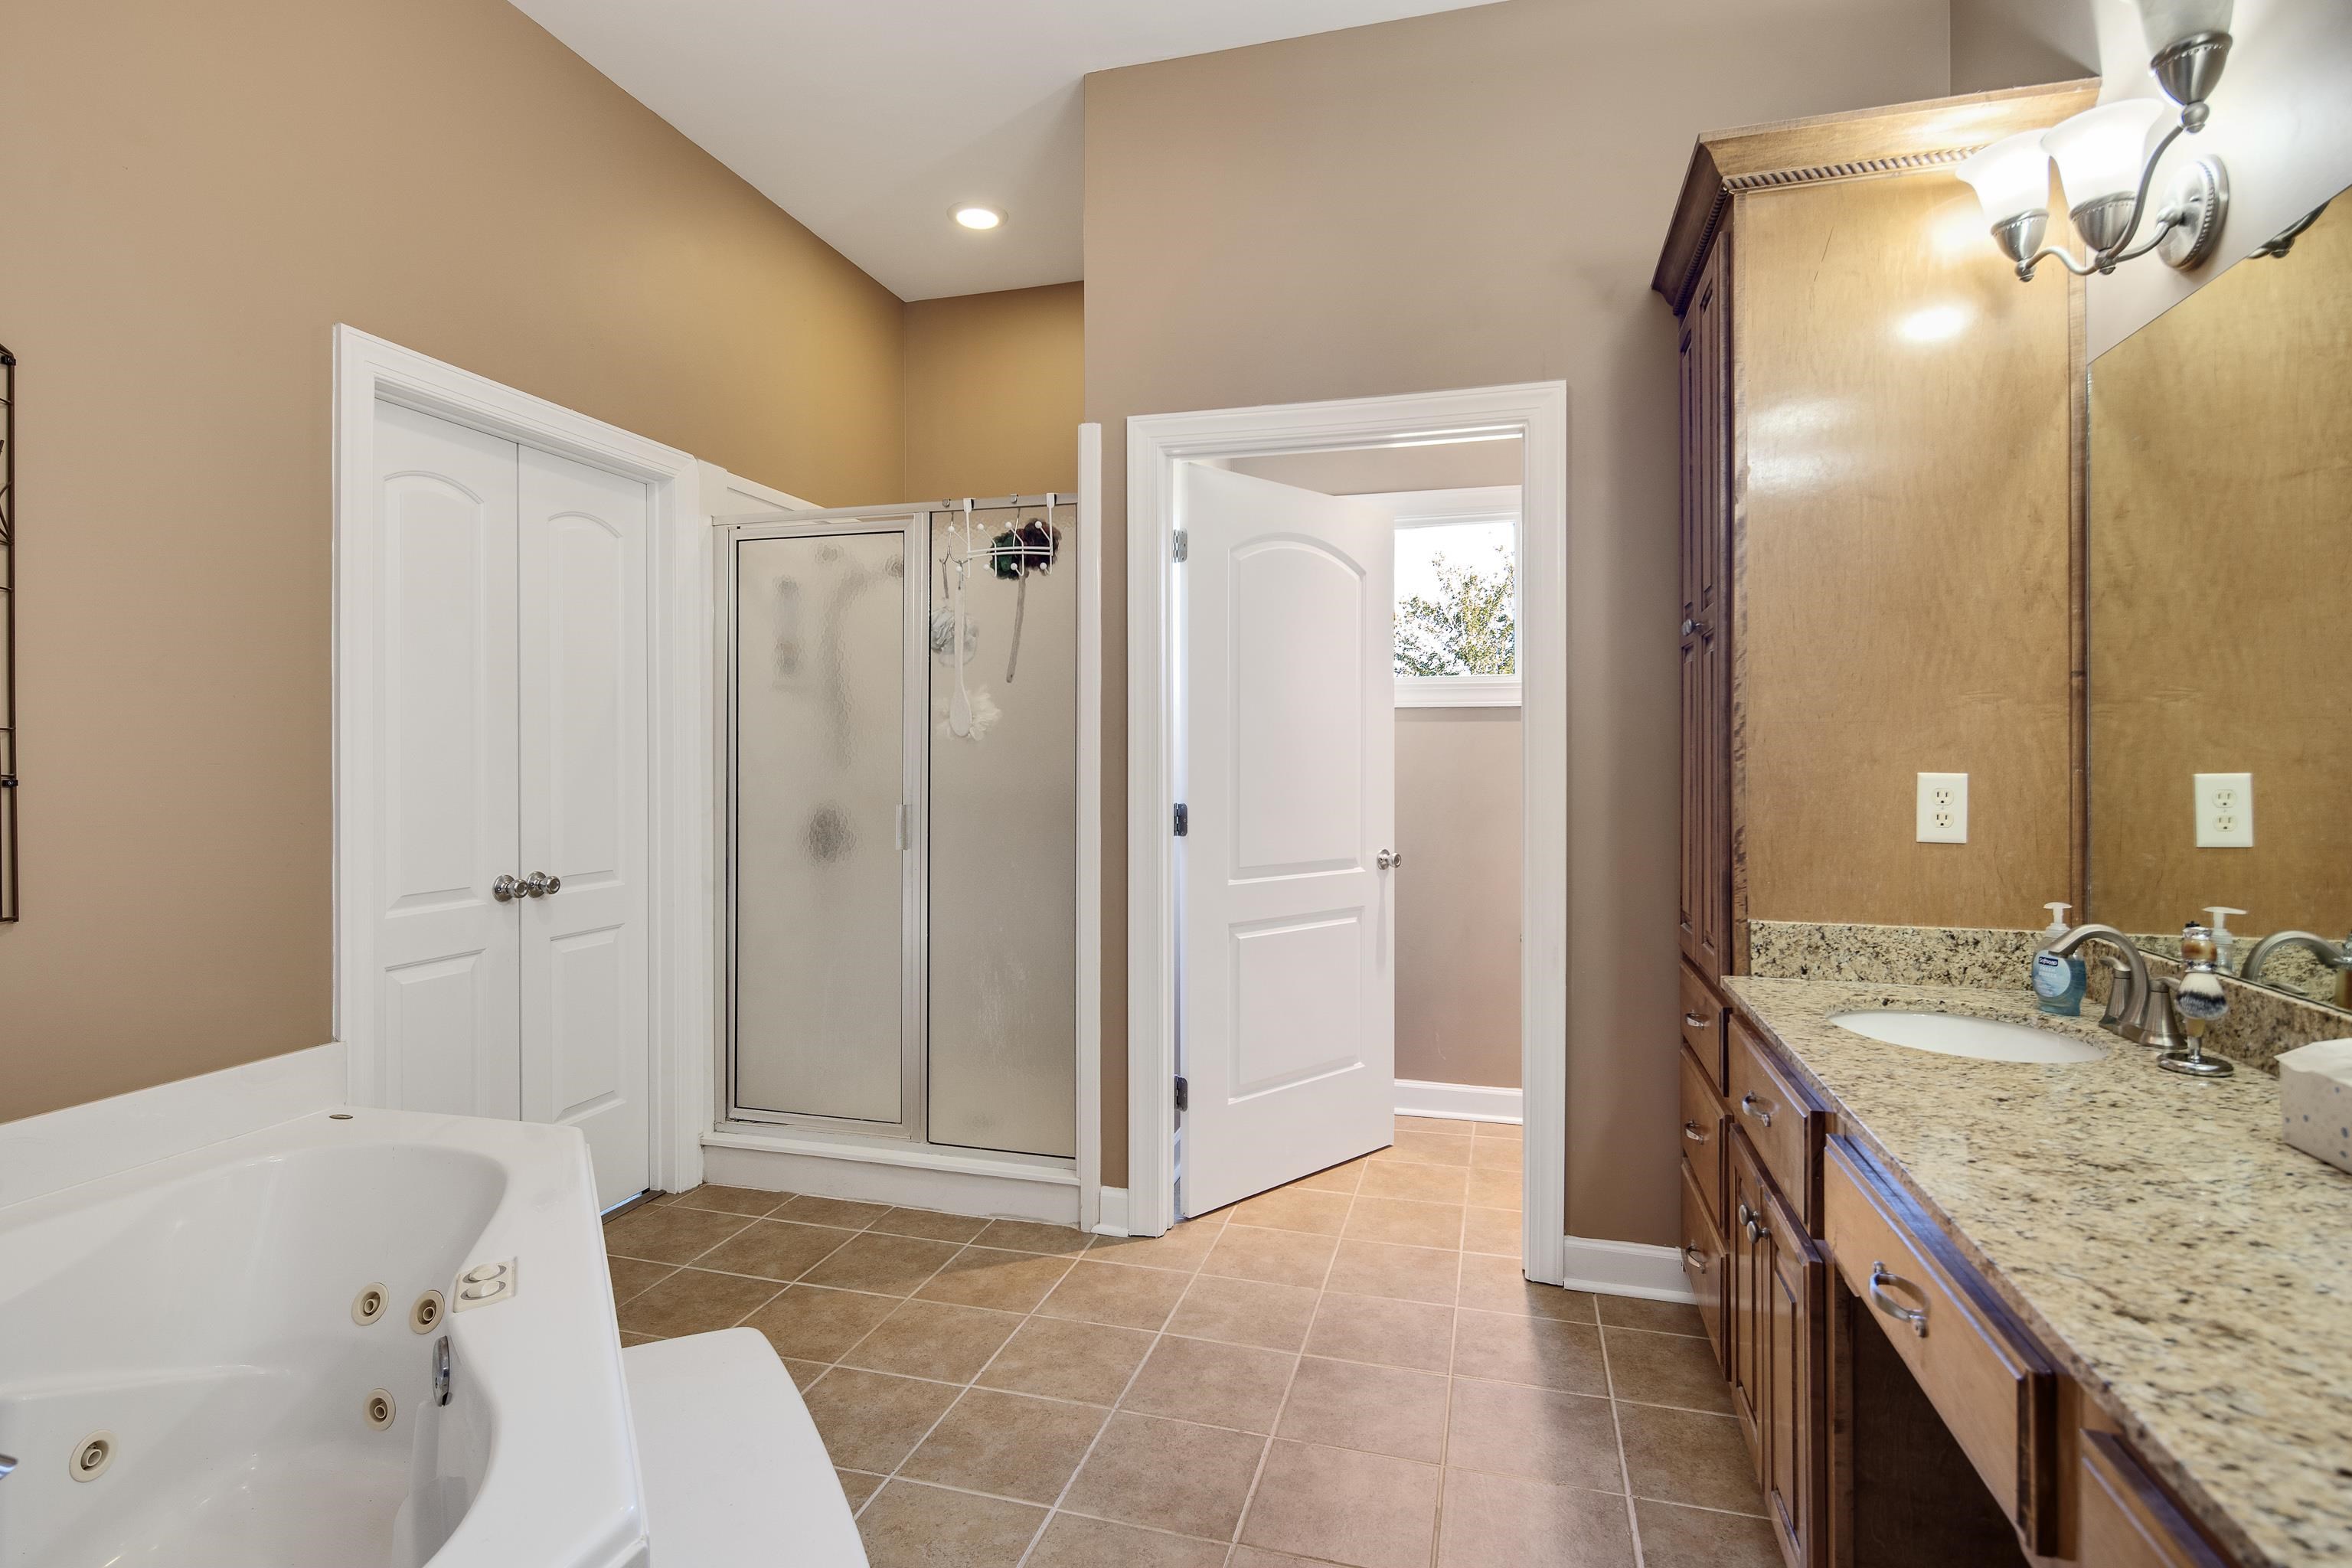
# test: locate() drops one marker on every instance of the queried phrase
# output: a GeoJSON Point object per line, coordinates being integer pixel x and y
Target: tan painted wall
{"type": "Point", "coordinates": [992, 393]}
{"type": "Point", "coordinates": [1458, 942]}
{"type": "Point", "coordinates": [1453, 201]}
{"type": "Point", "coordinates": [194, 195]}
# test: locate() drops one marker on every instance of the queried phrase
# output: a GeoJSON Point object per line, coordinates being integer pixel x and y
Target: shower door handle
{"type": "Point", "coordinates": [906, 826]}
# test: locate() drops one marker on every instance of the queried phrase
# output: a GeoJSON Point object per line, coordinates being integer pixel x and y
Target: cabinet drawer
{"type": "Point", "coordinates": [1784, 1125]}
{"type": "Point", "coordinates": [1703, 1018]}
{"type": "Point", "coordinates": [1702, 1137]}
{"type": "Point", "coordinates": [1703, 1261]}
{"type": "Point", "coordinates": [2126, 1520]}
{"type": "Point", "coordinates": [1990, 1381]}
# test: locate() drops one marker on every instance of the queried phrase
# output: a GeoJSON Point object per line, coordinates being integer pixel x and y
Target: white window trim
{"type": "Point", "coordinates": [1457, 692]}
{"type": "Point", "coordinates": [1442, 509]}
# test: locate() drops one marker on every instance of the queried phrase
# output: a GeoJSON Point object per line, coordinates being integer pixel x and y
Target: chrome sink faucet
{"type": "Point", "coordinates": [2338, 956]}
{"type": "Point", "coordinates": [2130, 997]}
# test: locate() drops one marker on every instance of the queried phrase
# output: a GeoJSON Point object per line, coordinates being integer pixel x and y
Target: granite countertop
{"type": "Point", "coordinates": [2190, 1270]}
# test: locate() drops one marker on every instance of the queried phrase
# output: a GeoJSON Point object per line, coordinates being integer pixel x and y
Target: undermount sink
{"type": "Point", "coordinates": [1953, 1035]}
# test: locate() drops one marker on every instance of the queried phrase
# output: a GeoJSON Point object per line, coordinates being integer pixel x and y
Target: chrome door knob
{"type": "Point", "coordinates": [505, 890]}
{"type": "Point", "coordinates": [539, 884]}
{"type": "Point", "coordinates": [1389, 860]}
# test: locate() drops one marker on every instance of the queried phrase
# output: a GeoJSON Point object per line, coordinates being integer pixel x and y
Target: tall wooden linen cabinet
{"type": "Point", "coordinates": [1876, 448]}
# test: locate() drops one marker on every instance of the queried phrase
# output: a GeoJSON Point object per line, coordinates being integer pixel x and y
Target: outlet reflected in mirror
{"type": "Point", "coordinates": [2220, 486]}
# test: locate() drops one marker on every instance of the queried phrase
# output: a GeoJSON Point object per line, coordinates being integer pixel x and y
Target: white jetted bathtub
{"type": "Point", "coordinates": [220, 1360]}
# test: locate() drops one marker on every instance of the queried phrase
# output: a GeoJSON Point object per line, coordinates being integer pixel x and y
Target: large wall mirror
{"type": "Point", "coordinates": [2220, 583]}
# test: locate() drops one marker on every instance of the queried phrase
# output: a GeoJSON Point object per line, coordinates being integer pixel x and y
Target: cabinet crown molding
{"type": "Point", "coordinates": [1902, 138]}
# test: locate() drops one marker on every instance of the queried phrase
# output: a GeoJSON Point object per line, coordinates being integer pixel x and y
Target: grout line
{"type": "Point", "coordinates": [1445, 1424]}
{"type": "Point", "coordinates": [1249, 1498]}
{"type": "Point", "coordinates": [1624, 1466]}
{"type": "Point", "coordinates": [1191, 1276]}
{"type": "Point", "coordinates": [1070, 1261]}
{"type": "Point", "coordinates": [1143, 1361]}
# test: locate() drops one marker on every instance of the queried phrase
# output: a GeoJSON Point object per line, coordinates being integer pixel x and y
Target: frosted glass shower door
{"type": "Point", "coordinates": [825, 869]}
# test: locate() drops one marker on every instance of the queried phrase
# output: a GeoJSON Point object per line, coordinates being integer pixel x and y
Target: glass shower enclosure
{"type": "Point", "coordinates": [901, 707]}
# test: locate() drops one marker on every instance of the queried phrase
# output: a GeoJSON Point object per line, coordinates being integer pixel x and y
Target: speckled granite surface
{"type": "Point", "coordinates": [2192, 1272]}
{"type": "Point", "coordinates": [1889, 955]}
{"type": "Point", "coordinates": [2261, 1022]}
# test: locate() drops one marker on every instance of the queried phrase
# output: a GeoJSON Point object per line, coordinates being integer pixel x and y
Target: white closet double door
{"type": "Point", "coordinates": [511, 744]}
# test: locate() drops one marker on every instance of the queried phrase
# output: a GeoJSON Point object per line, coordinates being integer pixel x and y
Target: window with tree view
{"type": "Point", "coordinates": [1457, 594]}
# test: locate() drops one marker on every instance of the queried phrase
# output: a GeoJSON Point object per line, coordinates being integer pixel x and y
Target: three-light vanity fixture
{"type": "Point", "coordinates": [2105, 162]}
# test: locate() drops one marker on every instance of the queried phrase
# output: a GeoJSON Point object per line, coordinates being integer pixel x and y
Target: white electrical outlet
{"type": "Point", "coordinates": [1942, 808]}
{"type": "Point", "coordinates": [2225, 811]}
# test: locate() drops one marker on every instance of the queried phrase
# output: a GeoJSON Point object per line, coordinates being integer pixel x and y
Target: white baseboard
{"type": "Point", "coordinates": [1114, 1212]}
{"type": "Point", "coordinates": [1626, 1269]}
{"type": "Point", "coordinates": [48, 1153]}
{"type": "Point", "coordinates": [1457, 1101]}
{"type": "Point", "coordinates": [899, 1173]}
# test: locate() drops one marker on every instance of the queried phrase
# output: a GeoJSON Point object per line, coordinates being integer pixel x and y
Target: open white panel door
{"type": "Point", "coordinates": [1287, 1000]}
{"type": "Point", "coordinates": [446, 957]}
{"type": "Point", "coordinates": [584, 538]}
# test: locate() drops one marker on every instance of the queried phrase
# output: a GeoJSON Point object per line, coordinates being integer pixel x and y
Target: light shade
{"type": "Point", "coordinates": [2101, 152]}
{"type": "Point", "coordinates": [2167, 22]}
{"type": "Point", "coordinates": [979, 216]}
{"type": "Point", "coordinates": [2011, 177]}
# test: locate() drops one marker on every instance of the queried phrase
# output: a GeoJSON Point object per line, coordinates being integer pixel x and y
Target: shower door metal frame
{"type": "Point", "coordinates": [913, 524]}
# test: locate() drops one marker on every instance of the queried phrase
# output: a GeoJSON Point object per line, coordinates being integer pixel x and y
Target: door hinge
{"type": "Point", "coordinates": [1183, 1095]}
{"type": "Point", "coordinates": [1184, 819]}
{"type": "Point", "coordinates": [1184, 545]}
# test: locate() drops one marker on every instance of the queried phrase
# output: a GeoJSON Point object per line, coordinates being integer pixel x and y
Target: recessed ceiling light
{"type": "Point", "coordinates": [979, 217]}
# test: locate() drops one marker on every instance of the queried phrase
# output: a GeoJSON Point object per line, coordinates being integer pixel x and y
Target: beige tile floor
{"type": "Point", "coordinates": [1347, 1370]}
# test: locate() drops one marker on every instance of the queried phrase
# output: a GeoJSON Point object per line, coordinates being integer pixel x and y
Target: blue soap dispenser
{"type": "Point", "coordinates": [2058, 982]}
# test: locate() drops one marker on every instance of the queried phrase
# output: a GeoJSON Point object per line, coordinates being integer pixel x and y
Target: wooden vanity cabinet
{"type": "Point", "coordinates": [1837, 517]}
{"type": "Point", "coordinates": [1778, 1276]}
{"type": "Point", "coordinates": [1994, 1386]}
{"type": "Point", "coordinates": [1809, 568]}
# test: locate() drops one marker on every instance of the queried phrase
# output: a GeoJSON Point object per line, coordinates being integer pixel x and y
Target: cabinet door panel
{"type": "Point", "coordinates": [1789, 1316]}
{"type": "Point", "coordinates": [1704, 545]}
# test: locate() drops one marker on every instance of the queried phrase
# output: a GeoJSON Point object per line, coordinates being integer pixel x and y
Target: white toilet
{"type": "Point", "coordinates": [735, 1474]}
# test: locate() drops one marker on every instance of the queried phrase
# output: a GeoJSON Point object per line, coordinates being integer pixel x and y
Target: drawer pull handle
{"type": "Point", "coordinates": [1693, 1258]}
{"type": "Point", "coordinates": [1915, 1316]}
{"type": "Point", "coordinates": [1694, 1131]}
{"type": "Point", "coordinates": [1695, 1020]}
{"type": "Point", "coordinates": [1754, 1106]}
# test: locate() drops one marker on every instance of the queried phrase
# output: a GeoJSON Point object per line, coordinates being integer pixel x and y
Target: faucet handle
{"type": "Point", "coordinates": [2120, 1000]}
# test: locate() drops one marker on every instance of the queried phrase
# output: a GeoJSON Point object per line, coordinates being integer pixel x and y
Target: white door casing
{"type": "Point", "coordinates": [1158, 447]}
{"type": "Point", "coordinates": [447, 954]}
{"type": "Point", "coordinates": [1287, 923]}
{"type": "Point", "coordinates": [676, 678]}
{"type": "Point", "coordinates": [583, 536]}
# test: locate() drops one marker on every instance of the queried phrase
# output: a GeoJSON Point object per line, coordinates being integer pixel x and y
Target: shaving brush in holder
{"type": "Point", "coordinates": [2202, 1002]}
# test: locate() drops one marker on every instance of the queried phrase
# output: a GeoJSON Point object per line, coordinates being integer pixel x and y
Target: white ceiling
{"type": "Point", "coordinates": [870, 121]}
